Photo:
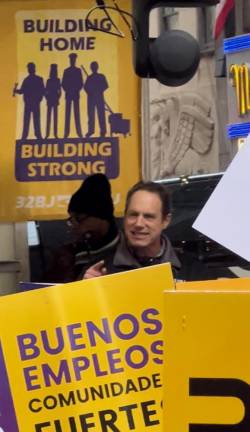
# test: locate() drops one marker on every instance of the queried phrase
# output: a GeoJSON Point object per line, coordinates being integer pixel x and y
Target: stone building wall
{"type": "Point", "coordinates": [186, 125]}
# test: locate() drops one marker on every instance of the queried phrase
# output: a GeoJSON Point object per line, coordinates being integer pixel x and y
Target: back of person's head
{"type": "Point", "coordinates": [155, 188]}
{"type": "Point", "coordinates": [93, 198]}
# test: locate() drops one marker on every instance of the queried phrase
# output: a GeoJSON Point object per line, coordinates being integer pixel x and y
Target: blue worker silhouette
{"type": "Point", "coordinates": [95, 86]}
{"type": "Point", "coordinates": [52, 94]}
{"type": "Point", "coordinates": [32, 90]}
{"type": "Point", "coordinates": [72, 84]}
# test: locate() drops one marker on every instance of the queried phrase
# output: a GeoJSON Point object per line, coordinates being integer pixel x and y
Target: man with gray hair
{"type": "Point", "coordinates": [143, 243]}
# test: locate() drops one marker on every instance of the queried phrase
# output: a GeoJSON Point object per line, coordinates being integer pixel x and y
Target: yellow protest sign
{"type": "Point", "coordinates": [207, 361]}
{"type": "Point", "coordinates": [240, 284]}
{"type": "Point", "coordinates": [70, 104]}
{"type": "Point", "coordinates": [84, 356]}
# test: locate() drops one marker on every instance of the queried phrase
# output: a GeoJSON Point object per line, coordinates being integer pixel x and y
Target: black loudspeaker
{"type": "Point", "coordinates": [174, 56]}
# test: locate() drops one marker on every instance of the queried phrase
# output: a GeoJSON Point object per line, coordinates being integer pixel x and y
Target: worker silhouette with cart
{"type": "Point", "coordinates": [95, 86]}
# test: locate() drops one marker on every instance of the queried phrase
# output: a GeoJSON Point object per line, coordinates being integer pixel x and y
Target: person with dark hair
{"type": "Point", "coordinates": [93, 229]}
{"type": "Point", "coordinates": [147, 215]}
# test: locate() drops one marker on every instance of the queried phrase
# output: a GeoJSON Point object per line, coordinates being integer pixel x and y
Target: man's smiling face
{"type": "Point", "coordinates": [144, 222]}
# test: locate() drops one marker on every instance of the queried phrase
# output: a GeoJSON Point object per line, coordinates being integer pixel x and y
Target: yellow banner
{"type": "Point", "coordinates": [84, 356]}
{"type": "Point", "coordinates": [206, 371]}
{"type": "Point", "coordinates": [70, 105]}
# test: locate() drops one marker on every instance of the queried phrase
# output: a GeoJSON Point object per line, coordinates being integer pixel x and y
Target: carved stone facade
{"type": "Point", "coordinates": [187, 124]}
{"type": "Point", "coordinates": [182, 135]}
